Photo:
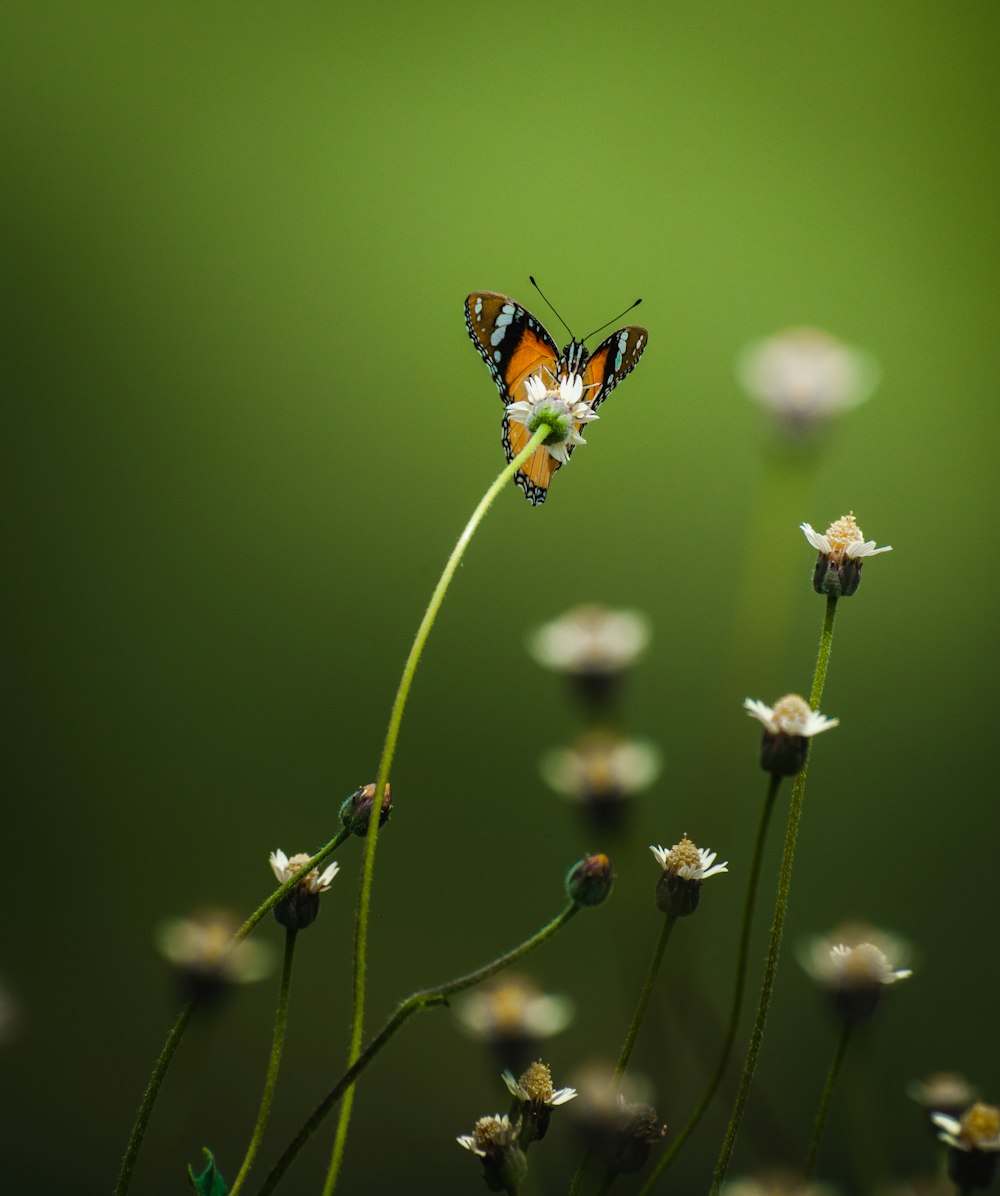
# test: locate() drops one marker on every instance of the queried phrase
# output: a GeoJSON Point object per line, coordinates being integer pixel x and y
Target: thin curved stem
{"type": "Point", "coordinates": [644, 998]}
{"type": "Point", "coordinates": [150, 1095]}
{"type": "Point", "coordinates": [425, 999]}
{"type": "Point", "coordinates": [739, 987]}
{"type": "Point", "coordinates": [626, 1052]}
{"type": "Point", "coordinates": [274, 1062]}
{"type": "Point", "coordinates": [824, 1104]}
{"type": "Point", "coordinates": [780, 912]}
{"type": "Point", "coordinates": [384, 768]}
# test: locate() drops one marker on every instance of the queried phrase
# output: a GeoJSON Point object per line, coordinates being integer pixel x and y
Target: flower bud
{"type": "Point", "coordinates": [589, 881]}
{"type": "Point", "coordinates": [356, 811]}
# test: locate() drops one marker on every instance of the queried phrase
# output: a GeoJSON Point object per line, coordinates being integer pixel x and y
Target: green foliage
{"type": "Point", "coordinates": [210, 1182]}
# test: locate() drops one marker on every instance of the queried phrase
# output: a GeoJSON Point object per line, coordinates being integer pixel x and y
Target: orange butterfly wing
{"type": "Point", "coordinates": [514, 345]}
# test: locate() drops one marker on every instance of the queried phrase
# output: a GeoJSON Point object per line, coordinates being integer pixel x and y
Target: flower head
{"type": "Point", "coordinates": [300, 905]}
{"type": "Point", "coordinates": [854, 964]}
{"type": "Point", "coordinates": [495, 1140]}
{"type": "Point", "coordinates": [560, 405]}
{"type": "Point", "coordinates": [788, 726]}
{"type": "Point", "coordinates": [943, 1092]}
{"type": "Point", "coordinates": [803, 377]}
{"type": "Point", "coordinates": [315, 882]}
{"type": "Point", "coordinates": [973, 1142]}
{"type": "Point", "coordinates": [512, 1015]}
{"type": "Point", "coordinates": [685, 868]}
{"type": "Point", "coordinates": [618, 1130]}
{"type": "Point", "coordinates": [842, 550]}
{"type": "Point", "coordinates": [593, 645]}
{"type": "Point", "coordinates": [208, 961]}
{"type": "Point", "coordinates": [600, 772]}
{"type": "Point", "coordinates": [537, 1097]}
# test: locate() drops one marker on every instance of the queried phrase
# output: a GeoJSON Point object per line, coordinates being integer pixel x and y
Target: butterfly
{"type": "Point", "coordinates": [516, 346]}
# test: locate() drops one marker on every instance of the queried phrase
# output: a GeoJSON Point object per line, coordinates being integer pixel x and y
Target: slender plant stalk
{"type": "Point", "coordinates": [780, 911]}
{"type": "Point", "coordinates": [425, 999]}
{"type": "Point", "coordinates": [739, 987]}
{"type": "Point", "coordinates": [626, 1052]}
{"type": "Point", "coordinates": [277, 1042]}
{"type": "Point", "coordinates": [181, 1023]}
{"type": "Point", "coordinates": [824, 1104]}
{"type": "Point", "coordinates": [150, 1095]}
{"type": "Point", "coordinates": [382, 776]}
{"type": "Point", "coordinates": [649, 984]}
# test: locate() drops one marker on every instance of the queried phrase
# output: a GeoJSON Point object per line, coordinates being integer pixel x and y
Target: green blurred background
{"type": "Point", "coordinates": [245, 426]}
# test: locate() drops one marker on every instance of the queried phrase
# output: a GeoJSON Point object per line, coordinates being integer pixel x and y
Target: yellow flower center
{"type": "Point", "coordinates": [683, 853]}
{"type": "Point", "coordinates": [537, 1082]}
{"type": "Point", "coordinates": [844, 532]}
{"type": "Point", "coordinates": [791, 714]}
{"type": "Point", "coordinates": [490, 1131]}
{"type": "Point", "coordinates": [981, 1123]}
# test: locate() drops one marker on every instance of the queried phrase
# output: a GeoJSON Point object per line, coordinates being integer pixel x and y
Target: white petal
{"type": "Point", "coordinates": [819, 542]}
{"type": "Point", "coordinates": [760, 711]}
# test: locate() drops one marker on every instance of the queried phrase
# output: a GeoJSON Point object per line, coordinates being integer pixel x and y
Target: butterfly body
{"type": "Point", "coordinates": [516, 346]}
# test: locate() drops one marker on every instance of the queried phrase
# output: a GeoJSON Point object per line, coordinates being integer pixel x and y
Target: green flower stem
{"type": "Point", "coordinates": [824, 1104]}
{"type": "Point", "coordinates": [425, 999]}
{"type": "Point", "coordinates": [180, 1025]}
{"type": "Point", "coordinates": [150, 1095]}
{"type": "Point", "coordinates": [780, 911]}
{"type": "Point", "coordinates": [280, 1021]}
{"type": "Point", "coordinates": [626, 1052]}
{"type": "Point", "coordinates": [384, 768]}
{"type": "Point", "coordinates": [739, 988]}
{"type": "Point", "coordinates": [644, 997]}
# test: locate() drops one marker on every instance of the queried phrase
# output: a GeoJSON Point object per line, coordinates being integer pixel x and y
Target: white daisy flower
{"type": "Point", "coordinates": [688, 862]}
{"type": "Point", "coordinates": [202, 948]}
{"type": "Point", "coordinates": [513, 1009]}
{"type": "Point", "coordinates": [490, 1136]}
{"type": "Point", "coordinates": [855, 963]}
{"type": "Point", "coordinates": [803, 377]}
{"type": "Point", "coordinates": [842, 539]}
{"type": "Point", "coordinates": [978, 1129]}
{"type": "Point", "coordinates": [562, 407]}
{"type": "Point", "coordinates": [591, 639]}
{"type": "Point", "coordinates": [316, 882]}
{"type": "Point", "coordinates": [535, 1087]}
{"type": "Point", "coordinates": [790, 715]}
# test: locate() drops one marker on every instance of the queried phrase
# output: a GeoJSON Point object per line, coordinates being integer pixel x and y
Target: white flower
{"type": "Point", "coordinates": [601, 765]}
{"type": "Point", "coordinates": [789, 716]}
{"type": "Point", "coordinates": [204, 945]}
{"type": "Point", "coordinates": [977, 1129]}
{"type": "Point", "coordinates": [804, 376]}
{"type": "Point", "coordinates": [490, 1136]}
{"type": "Point", "coordinates": [284, 869]}
{"type": "Point", "coordinates": [856, 957]}
{"type": "Point", "coordinates": [535, 1087]}
{"type": "Point", "coordinates": [591, 639]}
{"type": "Point", "coordinates": [688, 862]}
{"type": "Point", "coordinates": [561, 407]}
{"type": "Point", "coordinates": [513, 1008]}
{"type": "Point", "coordinates": [843, 538]}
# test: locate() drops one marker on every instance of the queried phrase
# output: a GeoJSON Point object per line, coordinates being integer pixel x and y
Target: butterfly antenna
{"type": "Point", "coordinates": [557, 315]}
{"type": "Point", "coordinates": [615, 320]}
